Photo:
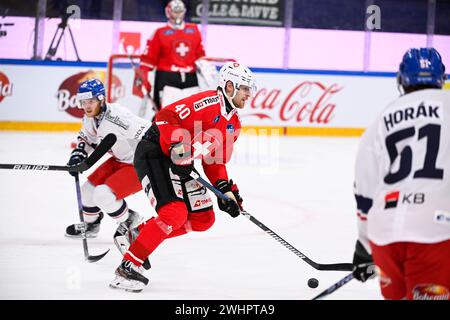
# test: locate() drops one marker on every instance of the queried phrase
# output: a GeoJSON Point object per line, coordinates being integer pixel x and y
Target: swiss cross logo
{"type": "Point", "coordinates": [201, 148]}
{"type": "Point", "coordinates": [204, 145]}
{"type": "Point", "coordinates": [182, 49]}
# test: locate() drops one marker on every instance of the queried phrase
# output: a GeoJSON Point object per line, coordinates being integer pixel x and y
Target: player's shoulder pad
{"type": "Point", "coordinates": [191, 28]}
{"type": "Point", "coordinates": [165, 31]}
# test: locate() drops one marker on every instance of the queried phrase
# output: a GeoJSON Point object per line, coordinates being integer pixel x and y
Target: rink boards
{"type": "Point", "coordinates": [40, 96]}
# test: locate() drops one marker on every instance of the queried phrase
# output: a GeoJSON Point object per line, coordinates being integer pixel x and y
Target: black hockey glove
{"type": "Point", "coordinates": [77, 156]}
{"type": "Point", "coordinates": [182, 162]}
{"type": "Point", "coordinates": [232, 207]}
{"type": "Point", "coordinates": [363, 266]}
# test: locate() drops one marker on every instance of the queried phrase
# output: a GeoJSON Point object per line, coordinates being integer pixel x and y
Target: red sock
{"type": "Point", "coordinates": [156, 230]}
{"type": "Point", "coordinates": [149, 238]}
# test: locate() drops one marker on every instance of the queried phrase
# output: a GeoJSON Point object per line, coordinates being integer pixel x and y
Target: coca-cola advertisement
{"type": "Point", "coordinates": [308, 100]}
{"type": "Point", "coordinates": [292, 100]}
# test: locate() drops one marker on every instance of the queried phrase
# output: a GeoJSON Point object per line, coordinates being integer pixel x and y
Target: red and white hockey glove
{"type": "Point", "coordinates": [141, 86]}
{"type": "Point", "coordinates": [234, 206]}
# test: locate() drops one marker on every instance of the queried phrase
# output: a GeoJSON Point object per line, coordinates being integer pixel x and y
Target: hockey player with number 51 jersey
{"type": "Point", "coordinates": [106, 188]}
{"type": "Point", "coordinates": [402, 186]}
{"type": "Point", "coordinates": [204, 125]}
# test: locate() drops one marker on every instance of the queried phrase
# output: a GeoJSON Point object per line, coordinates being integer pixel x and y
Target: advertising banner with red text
{"type": "Point", "coordinates": [318, 100]}
{"type": "Point", "coordinates": [46, 93]}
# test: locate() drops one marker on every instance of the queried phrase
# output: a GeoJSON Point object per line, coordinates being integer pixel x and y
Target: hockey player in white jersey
{"type": "Point", "coordinates": [402, 186]}
{"type": "Point", "coordinates": [115, 179]}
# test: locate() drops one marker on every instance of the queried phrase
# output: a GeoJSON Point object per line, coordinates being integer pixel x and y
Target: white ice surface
{"type": "Point", "coordinates": [299, 187]}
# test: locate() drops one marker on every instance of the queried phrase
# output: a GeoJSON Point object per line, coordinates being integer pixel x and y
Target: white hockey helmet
{"type": "Point", "coordinates": [175, 11]}
{"type": "Point", "coordinates": [239, 75]}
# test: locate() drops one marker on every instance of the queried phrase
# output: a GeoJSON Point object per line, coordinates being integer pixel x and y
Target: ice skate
{"type": "Point", "coordinates": [129, 277]}
{"type": "Point", "coordinates": [91, 229]}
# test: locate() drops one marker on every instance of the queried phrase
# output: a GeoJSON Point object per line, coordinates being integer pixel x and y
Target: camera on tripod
{"type": "Point", "coordinates": [62, 26]}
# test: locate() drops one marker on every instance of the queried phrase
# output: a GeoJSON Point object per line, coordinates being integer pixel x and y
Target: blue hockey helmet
{"type": "Point", "coordinates": [92, 88]}
{"type": "Point", "coordinates": [421, 67]}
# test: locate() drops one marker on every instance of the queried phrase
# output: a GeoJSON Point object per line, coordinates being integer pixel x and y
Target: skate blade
{"type": "Point", "coordinates": [80, 237]}
{"type": "Point", "coordinates": [130, 286]}
{"type": "Point", "coordinates": [125, 289]}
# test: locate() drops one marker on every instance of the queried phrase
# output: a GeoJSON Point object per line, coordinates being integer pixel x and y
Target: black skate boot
{"type": "Point", "coordinates": [129, 277]}
{"type": "Point", "coordinates": [124, 236]}
{"type": "Point", "coordinates": [92, 228]}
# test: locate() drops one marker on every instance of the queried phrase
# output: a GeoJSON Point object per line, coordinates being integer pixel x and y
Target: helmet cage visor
{"type": "Point", "coordinates": [86, 96]}
{"type": "Point", "coordinates": [175, 12]}
{"type": "Point", "coordinates": [241, 82]}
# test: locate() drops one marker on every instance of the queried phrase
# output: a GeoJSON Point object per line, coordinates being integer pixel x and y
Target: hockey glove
{"type": "Point", "coordinates": [234, 206]}
{"type": "Point", "coordinates": [77, 156]}
{"type": "Point", "coordinates": [141, 86]}
{"type": "Point", "coordinates": [363, 266]}
{"type": "Point", "coordinates": [182, 162]}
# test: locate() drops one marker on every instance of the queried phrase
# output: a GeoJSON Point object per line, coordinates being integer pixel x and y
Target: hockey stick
{"type": "Point", "coordinates": [334, 287]}
{"type": "Point", "coordinates": [315, 265]}
{"type": "Point", "coordinates": [101, 149]}
{"type": "Point", "coordinates": [83, 226]}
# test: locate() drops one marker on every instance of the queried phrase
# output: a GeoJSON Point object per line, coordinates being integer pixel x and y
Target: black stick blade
{"type": "Point", "coordinates": [96, 258]}
{"type": "Point", "coordinates": [334, 287]}
{"type": "Point", "coordinates": [335, 267]}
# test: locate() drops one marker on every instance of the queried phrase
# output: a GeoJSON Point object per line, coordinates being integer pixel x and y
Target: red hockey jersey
{"type": "Point", "coordinates": [208, 123]}
{"type": "Point", "coordinates": [173, 50]}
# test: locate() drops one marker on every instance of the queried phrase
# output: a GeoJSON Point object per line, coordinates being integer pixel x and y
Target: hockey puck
{"type": "Point", "coordinates": [313, 283]}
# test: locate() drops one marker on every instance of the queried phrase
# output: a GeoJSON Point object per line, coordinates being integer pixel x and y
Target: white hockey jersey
{"type": "Point", "coordinates": [120, 121]}
{"type": "Point", "coordinates": [402, 175]}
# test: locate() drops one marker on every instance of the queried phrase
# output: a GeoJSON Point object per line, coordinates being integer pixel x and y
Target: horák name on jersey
{"type": "Point", "coordinates": [424, 110]}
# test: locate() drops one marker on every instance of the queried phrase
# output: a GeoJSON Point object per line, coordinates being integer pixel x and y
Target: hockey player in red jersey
{"type": "Point", "coordinates": [206, 125]}
{"type": "Point", "coordinates": [402, 186]}
{"type": "Point", "coordinates": [172, 51]}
